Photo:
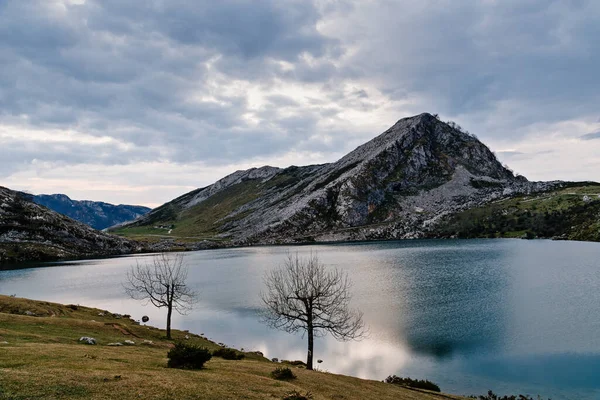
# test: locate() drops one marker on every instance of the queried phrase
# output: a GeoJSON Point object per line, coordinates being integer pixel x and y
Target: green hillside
{"type": "Point", "coordinates": [571, 213]}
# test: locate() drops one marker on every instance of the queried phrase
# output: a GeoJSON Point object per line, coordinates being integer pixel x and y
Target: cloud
{"type": "Point", "coordinates": [228, 83]}
{"type": "Point", "coordinates": [591, 136]}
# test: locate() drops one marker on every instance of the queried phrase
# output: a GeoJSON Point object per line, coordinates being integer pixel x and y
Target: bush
{"type": "Point", "coordinates": [228, 354]}
{"type": "Point", "coordinates": [295, 395]}
{"type": "Point", "coordinates": [282, 373]}
{"type": "Point", "coordinates": [413, 383]}
{"type": "Point", "coordinates": [492, 396]}
{"type": "Point", "coordinates": [188, 356]}
{"type": "Point", "coordinates": [295, 363]}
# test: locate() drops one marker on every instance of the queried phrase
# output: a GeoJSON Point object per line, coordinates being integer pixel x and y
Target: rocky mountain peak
{"type": "Point", "coordinates": [411, 174]}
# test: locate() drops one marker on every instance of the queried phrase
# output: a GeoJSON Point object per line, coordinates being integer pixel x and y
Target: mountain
{"type": "Point", "coordinates": [29, 231]}
{"type": "Point", "coordinates": [96, 214]}
{"type": "Point", "coordinates": [405, 183]}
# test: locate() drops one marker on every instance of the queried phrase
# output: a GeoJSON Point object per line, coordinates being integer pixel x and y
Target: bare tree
{"type": "Point", "coordinates": [304, 296]}
{"type": "Point", "coordinates": [162, 283]}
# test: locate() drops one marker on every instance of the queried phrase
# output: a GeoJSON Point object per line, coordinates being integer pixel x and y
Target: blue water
{"type": "Point", "coordinates": [513, 316]}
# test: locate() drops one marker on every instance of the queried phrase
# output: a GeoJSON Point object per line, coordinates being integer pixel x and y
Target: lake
{"type": "Point", "coordinates": [513, 316]}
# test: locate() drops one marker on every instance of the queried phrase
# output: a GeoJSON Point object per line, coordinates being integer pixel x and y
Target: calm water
{"type": "Point", "coordinates": [471, 315]}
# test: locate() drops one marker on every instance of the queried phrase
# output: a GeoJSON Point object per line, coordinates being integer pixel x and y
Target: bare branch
{"type": "Point", "coordinates": [303, 295]}
{"type": "Point", "coordinates": [161, 282]}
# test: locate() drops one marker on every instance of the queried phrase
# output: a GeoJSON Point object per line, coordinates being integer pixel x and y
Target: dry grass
{"type": "Point", "coordinates": [43, 360]}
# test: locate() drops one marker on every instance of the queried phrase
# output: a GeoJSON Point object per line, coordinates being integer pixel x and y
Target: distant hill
{"type": "Point", "coordinates": [408, 182]}
{"type": "Point", "coordinates": [29, 231]}
{"type": "Point", "coordinates": [96, 214]}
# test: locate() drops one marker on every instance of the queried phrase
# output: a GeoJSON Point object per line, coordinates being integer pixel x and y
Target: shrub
{"type": "Point", "coordinates": [295, 395]}
{"type": "Point", "coordinates": [492, 396]}
{"type": "Point", "coordinates": [228, 354]}
{"type": "Point", "coordinates": [413, 383]}
{"type": "Point", "coordinates": [282, 373]}
{"type": "Point", "coordinates": [188, 356]}
{"type": "Point", "coordinates": [295, 363]}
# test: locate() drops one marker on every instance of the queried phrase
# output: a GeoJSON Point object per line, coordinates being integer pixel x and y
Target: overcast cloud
{"type": "Point", "coordinates": [138, 102]}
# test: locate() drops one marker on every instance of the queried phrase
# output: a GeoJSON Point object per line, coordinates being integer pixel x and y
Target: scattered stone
{"type": "Point", "coordinates": [87, 340]}
{"type": "Point", "coordinates": [101, 314]}
{"type": "Point", "coordinates": [31, 314]}
{"type": "Point", "coordinates": [115, 344]}
{"type": "Point", "coordinates": [187, 337]}
{"type": "Point", "coordinates": [129, 342]}
{"type": "Point", "coordinates": [148, 342]}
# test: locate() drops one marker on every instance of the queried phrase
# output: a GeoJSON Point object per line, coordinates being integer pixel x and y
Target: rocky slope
{"type": "Point", "coordinates": [402, 184]}
{"type": "Point", "coordinates": [96, 214]}
{"type": "Point", "coordinates": [29, 231]}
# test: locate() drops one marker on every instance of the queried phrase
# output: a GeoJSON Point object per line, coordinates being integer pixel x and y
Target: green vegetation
{"type": "Point", "coordinates": [188, 356]}
{"type": "Point", "coordinates": [201, 222]}
{"type": "Point", "coordinates": [413, 383]}
{"type": "Point", "coordinates": [492, 396]}
{"type": "Point", "coordinates": [41, 358]}
{"type": "Point", "coordinates": [570, 213]}
{"type": "Point", "coordinates": [282, 374]}
{"type": "Point", "coordinates": [228, 354]}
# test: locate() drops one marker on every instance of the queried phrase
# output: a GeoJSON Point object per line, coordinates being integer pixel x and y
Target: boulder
{"type": "Point", "coordinates": [115, 344]}
{"type": "Point", "coordinates": [129, 342]}
{"type": "Point", "coordinates": [87, 340]}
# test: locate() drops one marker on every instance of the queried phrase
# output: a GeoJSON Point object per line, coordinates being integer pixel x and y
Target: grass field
{"type": "Point", "coordinates": [41, 358]}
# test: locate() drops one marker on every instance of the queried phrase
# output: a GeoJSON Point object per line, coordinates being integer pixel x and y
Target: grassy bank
{"type": "Point", "coordinates": [41, 358]}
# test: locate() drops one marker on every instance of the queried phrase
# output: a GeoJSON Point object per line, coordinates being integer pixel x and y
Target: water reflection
{"type": "Point", "coordinates": [512, 316]}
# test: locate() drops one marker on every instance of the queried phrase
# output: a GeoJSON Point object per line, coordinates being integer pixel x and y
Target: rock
{"type": "Point", "coordinates": [129, 342]}
{"type": "Point", "coordinates": [399, 185]}
{"type": "Point", "coordinates": [87, 340]}
{"type": "Point", "coordinates": [187, 337]}
{"type": "Point", "coordinates": [39, 233]}
{"type": "Point", "coordinates": [101, 314]}
{"type": "Point", "coordinates": [5, 342]}
{"type": "Point", "coordinates": [31, 314]}
{"type": "Point", "coordinates": [115, 344]}
{"type": "Point", "coordinates": [148, 342]}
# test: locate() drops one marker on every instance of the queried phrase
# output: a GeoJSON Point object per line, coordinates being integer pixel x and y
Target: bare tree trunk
{"type": "Point", "coordinates": [309, 357]}
{"type": "Point", "coordinates": [169, 312]}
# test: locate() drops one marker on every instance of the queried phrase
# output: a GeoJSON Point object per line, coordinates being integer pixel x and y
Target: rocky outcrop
{"type": "Point", "coordinates": [29, 232]}
{"type": "Point", "coordinates": [96, 214]}
{"type": "Point", "coordinates": [398, 185]}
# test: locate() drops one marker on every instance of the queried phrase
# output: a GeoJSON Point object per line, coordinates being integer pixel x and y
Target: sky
{"type": "Point", "coordinates": [138, 102]}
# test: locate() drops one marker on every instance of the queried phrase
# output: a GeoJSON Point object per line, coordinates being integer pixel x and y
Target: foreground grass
{"type": "Point", "coordinates": [42, 359]}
